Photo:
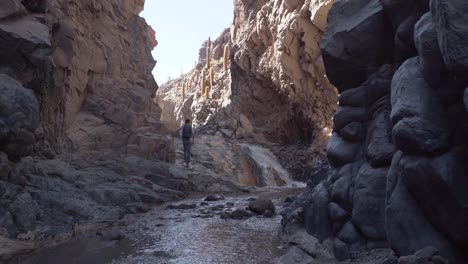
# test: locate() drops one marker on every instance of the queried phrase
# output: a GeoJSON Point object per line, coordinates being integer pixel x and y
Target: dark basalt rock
{"type": "Point", "coordinates": [412, 96]}
{"type": "Point", "coordinates": [182, 206]}
{"type": "Point", "coordinates": [369, 202]}
{"type": "Point", "coordinates": [348, 21]}
{"type": "Point", "coordinates": [398, 10]}
{"type": "Point", "coordinates": [342, 191]}
{"type": "Point", "coordinates": [404, 41]}
{"type": "Point", "coordinates": [354, 131]}
{"type": "Point", "coordinates": [240, 214]}
{"type": "Point", "coordinates": [400, 66]}
{"type": "Point", "coordinates": [340, 151]}
{"type": "Point", "coordinates": [260, 206]}
{"type": "Point", "coordinates": [415, 135]}
{"type": "Point", "coordinates": [337, 213]}
{"type": "Point", "coordinates": [407, 228]}
{"type": "Point", "coordinates": [11, 8]}
{"type": "Point", "coordinates": [317, 219]}
{"type": "Point", "coordinates": [19, 117]}
{"type": "Point", "coordinates": [349, 233]}
{"type": "Point", "coordinates": [36, 6]}
{"type": "Point", "coordinates": [430, 58]}
{"type": "Point", "coordinates": [452, 32]}
{"type": "Point", "coordinates": [380, 148]}
{"type": "Point", "coordinates": [356, 97]}
{"type": "Point", "coordinates": [25, 211]}
{"type": "Point", "coordinates": [438, 185]}
{"type": "Point", "coordinates": [345, 115]}
{"type": "Point", "coordinates": [340, 250]}
{"type": "Point", "coordinates": [213, 198]}
{"type": "Point", "coordinates": [379, 84]}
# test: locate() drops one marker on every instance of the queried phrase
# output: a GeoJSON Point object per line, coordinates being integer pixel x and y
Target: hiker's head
{"type": "Point", "coordinates": [187, 121]}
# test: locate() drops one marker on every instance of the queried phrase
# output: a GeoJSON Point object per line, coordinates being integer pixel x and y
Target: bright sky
{"type": "Point", "coordinates": [181, 27]}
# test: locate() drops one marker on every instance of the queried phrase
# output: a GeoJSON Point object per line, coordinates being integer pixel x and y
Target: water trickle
{"type": "Point", "coordinates": [180, 237]}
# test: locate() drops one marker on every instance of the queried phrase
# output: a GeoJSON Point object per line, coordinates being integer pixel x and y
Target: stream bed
{"type": "Point", "coordinates": [193, 235]}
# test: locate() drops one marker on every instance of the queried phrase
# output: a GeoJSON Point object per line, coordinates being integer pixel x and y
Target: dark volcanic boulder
{"type": "Point", "coordinates": [260, 206]}
{"type": "Point", "coordinates": [337, 213]}
{"type": "Point", "coordinates": [401, 69]}
{"type": "Point", "coordinates": [345, 115]}
{"type": "Point", "coordinates": [19, 117]}
{"type": "Point", "coordinates": [349, 233]}
{"type": "Point", "coordinates": [451, 24]}
{"type": "Point", "coordinates": [24, 211]}
{"type": "Point", "coordinates": [430, 57]}
{"type": "Point", "coordinates": [354, 131]}
{"type": "Point", "coordinates": [415, 135]}
{"type": "Point", "coordinates": [213, 198]}
{"type": "Point", "coordinates": [404, 40]}
{"type": "Point", "coordinates": [380, 148]}
{"type": "Point", "coordinates": [369, 202]}
{"type": "Point", "coordinates": [240, 214]}
{"type": "Point", "coordinates": [316, 214]}
{"type": "Point", "coordinates": [353, 43]}
{"type": "Point", "coordinates": [356, 97]}
{"type": "Point", "coordinates": [11, 8]}
{"type": "Point", "coordinates": [25, 41]}
{"type": "Point", "coordinates": [340, 250]}
{"type": "Point", "coordinates": [379, 84]}
{"type": "Point", "coordinates": [412, 96]}
{"type": "Point", "coordinates": [342, 191]}
{"type": "Point", "coordinates": [340, 151]}
{"type": "Point", "coordinates": [439, 187]}
{"type": "Point", "coordinates": [36, 6]}
{"type": "Point", "coordinates": [398, 10]}
{"type": "Point", "coordinates": [407, 228]}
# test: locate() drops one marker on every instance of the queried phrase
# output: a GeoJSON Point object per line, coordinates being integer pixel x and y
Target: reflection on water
{"type": "Point", "coordinates": [221, 241]}
{"type": "Point", "coordinates": [176, 236]}
{"type": "Point", "coordinates": [89, 250]}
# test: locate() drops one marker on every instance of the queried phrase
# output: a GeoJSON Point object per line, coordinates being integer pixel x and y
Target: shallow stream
{"type": "Point", "coordinates": [196, 235]}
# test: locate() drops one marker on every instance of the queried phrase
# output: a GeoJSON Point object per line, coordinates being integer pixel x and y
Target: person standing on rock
{"type": "Point", "coordinates": [187, 136]}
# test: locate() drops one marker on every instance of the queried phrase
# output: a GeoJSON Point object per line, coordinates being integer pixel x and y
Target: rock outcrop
{"type": "Point", "coordinates": [274, 90]}
{"type": "Point", "coordinates": [90, 96]}
{"type": "Point", "coordinates": [398, 147]}
{"type": "Point", "coordinates": [80, 137]}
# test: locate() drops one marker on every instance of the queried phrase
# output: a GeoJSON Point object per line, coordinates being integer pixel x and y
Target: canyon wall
{"type": "Point", "coordinates": [89, 64]}
{"type": "Point", "coordinates": [80, 135]}
{"type": "Point", "coordinates": [399, 145]}
{"type": "Point", "coordinates": [274, 90]}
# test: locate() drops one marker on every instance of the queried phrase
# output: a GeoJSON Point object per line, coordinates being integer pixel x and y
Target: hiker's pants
{"type": "Point", "coordinates": [187, 145]}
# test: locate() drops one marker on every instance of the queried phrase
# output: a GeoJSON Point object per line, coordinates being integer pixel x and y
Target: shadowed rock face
{"type": "Point", "coordinates": [398, 66]}
{"type": "Point", "coordinates": [76, 76]}
{"type": "Point", "coordinates": [19, 117]}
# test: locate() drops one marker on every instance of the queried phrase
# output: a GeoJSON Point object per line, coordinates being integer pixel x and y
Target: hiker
{"type": "Point", "coordinates": [187, 136]}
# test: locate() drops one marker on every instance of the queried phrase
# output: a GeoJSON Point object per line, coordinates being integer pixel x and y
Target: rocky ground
{"type": "Point", "coordinates": [213, 229]}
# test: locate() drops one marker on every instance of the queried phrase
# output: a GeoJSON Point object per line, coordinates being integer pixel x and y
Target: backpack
{"type": "Point", "coordinates": [187, 131]}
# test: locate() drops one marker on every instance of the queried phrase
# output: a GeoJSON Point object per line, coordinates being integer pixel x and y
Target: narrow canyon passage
{"type": "Point", "coordinates": [324, 131]}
